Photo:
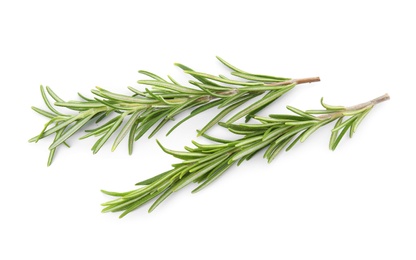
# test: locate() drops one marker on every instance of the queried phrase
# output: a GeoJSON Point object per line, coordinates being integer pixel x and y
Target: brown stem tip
{"type": "Point", "coordinates": [307, 80]}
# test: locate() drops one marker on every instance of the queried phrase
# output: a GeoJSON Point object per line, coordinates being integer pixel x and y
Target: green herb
{"type": "Point", "coordinates": [135, 115]}
{"type": "Point", "coordinates": [207, 162]}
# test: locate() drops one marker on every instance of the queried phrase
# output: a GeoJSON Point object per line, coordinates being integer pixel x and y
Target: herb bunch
{"type": "Point", "coordinates": [135, 115]}
{"type": "Point", "coordinates": [205, 163]}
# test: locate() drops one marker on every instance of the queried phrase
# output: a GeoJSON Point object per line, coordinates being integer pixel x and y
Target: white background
{"type": "Point", "coordinates": [355, 203]}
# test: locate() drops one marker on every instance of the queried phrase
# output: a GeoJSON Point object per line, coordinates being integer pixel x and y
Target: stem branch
{"type": "Point", "coordinates": [372, 102]}
{"type": "Point", "coordinates": [296, 81]}
{"type": "Point", "coordinates": [281, 83]}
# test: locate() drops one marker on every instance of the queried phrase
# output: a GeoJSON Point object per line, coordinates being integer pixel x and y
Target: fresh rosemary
{"type": "Point", "coordinates": [156, 106]}
{"type": "Point", "coordinates": [207, 162]}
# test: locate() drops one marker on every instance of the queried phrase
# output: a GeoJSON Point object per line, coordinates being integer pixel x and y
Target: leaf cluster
{"type": "Point", "coordinates": [134, 115]}
{"type": "Point", "coordinates": [204, 163]}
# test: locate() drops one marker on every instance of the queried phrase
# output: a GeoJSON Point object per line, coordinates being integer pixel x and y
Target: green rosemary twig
{"type": "Point", "coordinates": [207, 162]}
{"type": "Point", "coordinates": [156, 106]}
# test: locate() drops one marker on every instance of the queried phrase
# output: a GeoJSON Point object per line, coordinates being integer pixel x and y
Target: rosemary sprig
{"type": "Point", "coordinates": [135, 115]}
{"type": "Point", "coordinates": [204, 163]}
